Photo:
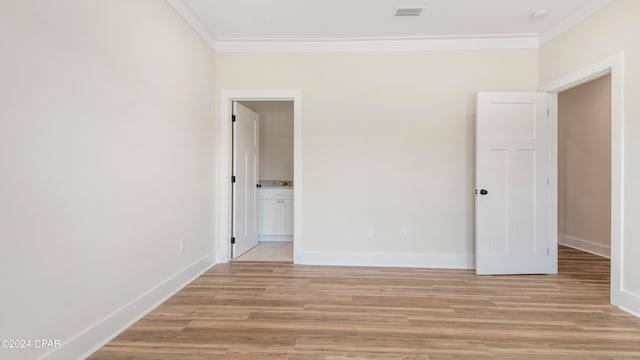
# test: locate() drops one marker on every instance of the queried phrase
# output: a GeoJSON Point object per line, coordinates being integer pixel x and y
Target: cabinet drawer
{"type": "Point", "coordinates": [276, 194]}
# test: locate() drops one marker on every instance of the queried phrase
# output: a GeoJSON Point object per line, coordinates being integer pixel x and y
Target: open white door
{"type": "Point", "coordinates": [245, 179]}
{"type": "Point", "coordinates": [512, 183]}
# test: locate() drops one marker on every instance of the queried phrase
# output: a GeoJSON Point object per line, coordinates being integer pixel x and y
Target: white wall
{"type": "Point", "coordinates": [106, 161]}
{"type": "Point", "coordinates": [584, 166]}
{"type": "Point", "coordinates": [612, 30]}
{"type": "Point", "coordinates": [276, 138]}
{"type": "Point", "coordinates": [388, 142]}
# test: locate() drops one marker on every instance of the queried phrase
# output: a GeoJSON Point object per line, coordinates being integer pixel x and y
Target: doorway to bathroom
{"type": "Point", "coordinates": [262, 180]}
{"type": "Point", "coordinates": [224, 234]}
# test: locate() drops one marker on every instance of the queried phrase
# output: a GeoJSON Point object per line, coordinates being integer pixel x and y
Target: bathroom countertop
{"type": "Point", "coordinates": [280, 184]}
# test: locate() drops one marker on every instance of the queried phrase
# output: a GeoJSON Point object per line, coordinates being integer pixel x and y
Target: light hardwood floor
{"type": "Point", "coordinates": [283, 311]}
{"type": "Point", "coordinates": [271, 251]}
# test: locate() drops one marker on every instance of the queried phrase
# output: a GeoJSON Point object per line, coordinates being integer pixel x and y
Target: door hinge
{"type": "Point", "coordinates": [547, 181]}
{"type": "Point", "coordinates": [548, 252]}
{"type": "Point", "coordinates": [233, 240]}
{"type": "Point", "coordinates": [548, 113]}
{"type": "Point", "coordinates": [233, 118]}
{"type": "Point", "coordinates": [233, 179]}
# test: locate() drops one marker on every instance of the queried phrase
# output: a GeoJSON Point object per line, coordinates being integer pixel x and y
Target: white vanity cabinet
{"type": "Point", "coordinates": [276, 214]}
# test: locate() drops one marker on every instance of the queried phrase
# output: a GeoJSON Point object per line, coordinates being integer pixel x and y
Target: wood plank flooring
{"type": "Point", "coordinates": [283, 311]}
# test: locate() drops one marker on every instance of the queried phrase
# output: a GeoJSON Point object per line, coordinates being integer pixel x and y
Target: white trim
{"type": "Point", "coordinates": [572, 20]}
{"type": "Point", "coordinates": [190, 18]}
{"type": "Point", "coordinates": [377, 44]}
{"type": "Point", "coordinates": [589, 73]}
{"type": "Point", "coordinates": [630, 302]}
{"type": "Point", "coordinates": [613, 65]}
{"type": "Point", "coordinates": [585, 245]}
{"type": "Point", "coordinates": [90, 340]}
{"type": "Point", "coordinates": [345, 258]}
{"type": "Point", "coordinates": [224, 203]}
{"type": "Point", "coordinates": [552, 194]}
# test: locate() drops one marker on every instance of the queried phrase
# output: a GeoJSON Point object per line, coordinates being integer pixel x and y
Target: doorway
{"type": "Point", "coordinates": [613, 66]}
{"type": "Point", "coordinates": [273, 192]}
{"type": "Point", "coordinates": [584, 167]}
{"type": "Point", "coordinates": [224, 200]}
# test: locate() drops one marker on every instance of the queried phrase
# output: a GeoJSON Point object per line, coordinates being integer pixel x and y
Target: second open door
{"type": "Point", "coordinates": [244, 180]}
{"type": "Point", "coordinates": [513, 184]}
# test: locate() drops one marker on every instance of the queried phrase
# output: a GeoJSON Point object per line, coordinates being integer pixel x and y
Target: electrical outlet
{"type": "Point", "coordinates": [403, 234]}
{"type": "Point", "coordinates": [181, 245]}
{"type": "Point", "coordinates": [371, 233]}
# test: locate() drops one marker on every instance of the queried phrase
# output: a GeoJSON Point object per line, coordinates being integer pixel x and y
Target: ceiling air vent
{"type": "Point", "coordinates": [408, 11]}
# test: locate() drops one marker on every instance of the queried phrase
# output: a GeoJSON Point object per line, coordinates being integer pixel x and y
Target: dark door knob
{"type": "Point", "coordinates": [483, 192]}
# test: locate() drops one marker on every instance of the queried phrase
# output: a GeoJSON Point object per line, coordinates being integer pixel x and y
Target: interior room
{"type": "Point", "coordinates": [441, 190]}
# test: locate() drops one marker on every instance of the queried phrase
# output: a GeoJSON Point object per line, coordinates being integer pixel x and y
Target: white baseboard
{"type": "Point", "coordinates": [585, 245]}
{"type": "Point", "coordinates": [629, 301]}
{"type": "Point", "coordinates": [442, 261]}
{"type": "Point", "coordinates": [90, 340]}
{"type": "Point", "coordinates": [275, 238]}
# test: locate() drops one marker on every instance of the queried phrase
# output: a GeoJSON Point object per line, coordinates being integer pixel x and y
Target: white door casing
{"type": "Point", "coordinates": [245, 172]}
{"type": "Point", "coordinates": [512, 183]}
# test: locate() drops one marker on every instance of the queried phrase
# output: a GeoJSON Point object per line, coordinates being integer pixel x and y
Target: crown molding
{"type": "Point", "coordinates": [572, 20]}
{"type": "Point", "coordinates": [490, 42]}
{"type": "Point", "coordinates": [385, 44]}
{"type": "Point", "coordinates": [187, 14]}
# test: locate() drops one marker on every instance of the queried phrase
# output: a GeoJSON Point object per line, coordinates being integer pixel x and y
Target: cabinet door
{"type": "Point", "coordinates": [270, 217]}
{"type": "Point", "coordinates": [287, 217]}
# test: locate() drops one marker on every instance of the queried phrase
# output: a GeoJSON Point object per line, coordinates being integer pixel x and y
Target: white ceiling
{"type": "Point", "coordinates": [344, 20]}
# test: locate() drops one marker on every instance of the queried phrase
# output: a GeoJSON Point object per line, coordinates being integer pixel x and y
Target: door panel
{"type": "Point", "coordinates": [523, 196]}
{"type": "Point", "coordinates": [287, 217]}
{"type": "Point", "coordinates": [499, 205]}
{"type": "Point", "coordinates": [512, 165]}
{"type": "Point", "coordinates": [512, 121]}
{"type": "Point", "coordinates": [270, 217]}
{"type": "Point", "coordinates": [245, 170]}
